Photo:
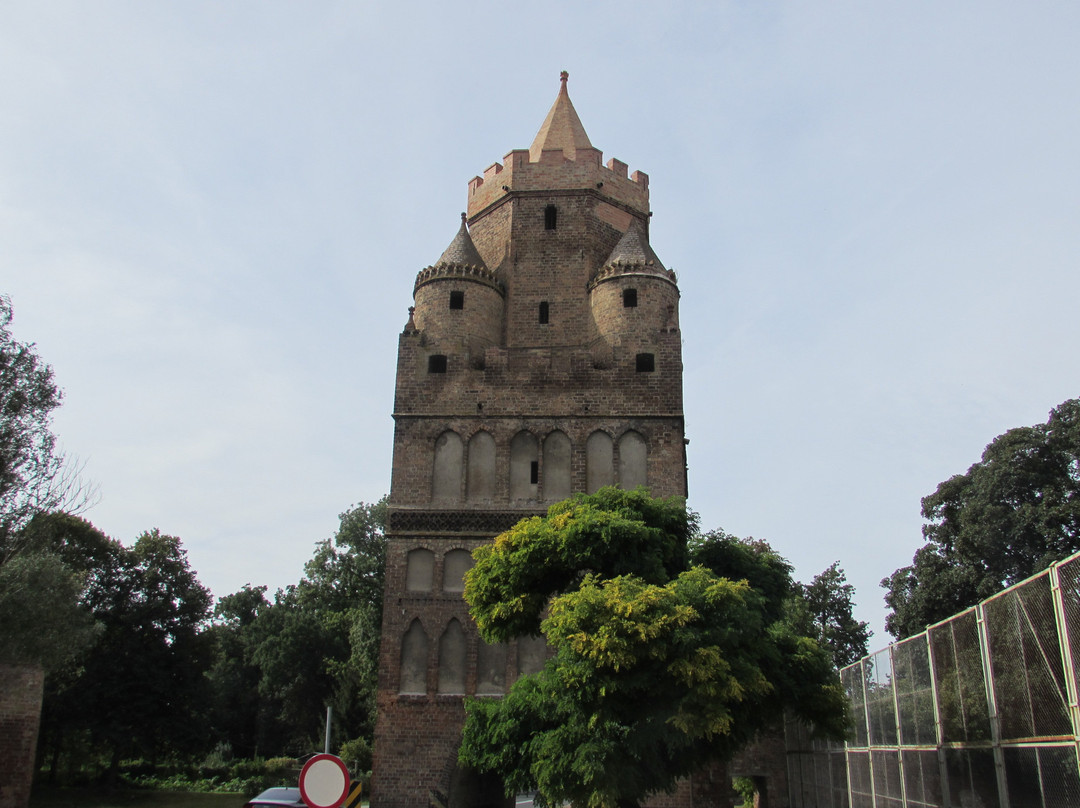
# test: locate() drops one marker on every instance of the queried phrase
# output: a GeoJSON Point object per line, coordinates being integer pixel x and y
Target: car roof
{"type": "Point", "coordinates": [282, 795]}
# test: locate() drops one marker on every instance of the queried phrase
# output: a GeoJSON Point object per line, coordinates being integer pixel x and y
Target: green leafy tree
{"type": "Point", "coordinates": [239, 714]}
{"type": "Point", "coordinates": [43, 623]}
{"type": "Point", "coordinates": [34, 475]}
{"type": "Point", "coordinates": [280, 664]}
{"type": "Point", "coordinates": [40, 619]}
{"type": "Point", "coordinates": [828, 605]}
{"type": "Point", "coordinates": [664, 657]}
{"type": "Point", "coordinates": [1010, 516]}
{"type": "Point", "coordinates": [140, 689]}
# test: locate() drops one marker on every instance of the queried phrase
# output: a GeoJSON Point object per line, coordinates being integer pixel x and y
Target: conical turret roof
{"type": "Point", "coordinates": [633, 250]}
{"type": "Point", "coordinates": [461, 260]}
{"type": "Point", "coordinates": [461, 252]}
{"type": "Point", "coordinates": [561, 129]}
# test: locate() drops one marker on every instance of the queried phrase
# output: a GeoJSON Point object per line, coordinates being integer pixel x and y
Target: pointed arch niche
{"type": "Point", "coordinates": [599, 462]}
{"type": "Point", "coordinates": [556, 466]}
{"type": "Point", "coordinates": [480, 476]}
{"type": "Point", "coordinates": [446, 477]}
{"type": "Point", "coordinates": [524, 466]}
{"type": "Point", "coordinates": [531, 655]}
{"type": "Point", "coordinates": [455, 564]}
{"type": "Point", "coordinates": [452, 659]}
{"type": "Point", "coordinates": [414, 654]}
{"type": "Point", "coordinates": [419, 568]}
{"type": "Point", "coordinates": [490, 669]}
{"type": "Point", "coordinates": [633, 455]}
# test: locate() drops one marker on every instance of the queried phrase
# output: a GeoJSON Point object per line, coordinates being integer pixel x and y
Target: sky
{"type": "Point", "coordinates": [212, 215]}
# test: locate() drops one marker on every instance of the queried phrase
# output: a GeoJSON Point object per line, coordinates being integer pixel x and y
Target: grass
{"type": "Point", "coordinates": [43, 797]}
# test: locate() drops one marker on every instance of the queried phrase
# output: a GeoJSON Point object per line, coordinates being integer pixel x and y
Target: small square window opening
{"type": "Point", "coordinates": [436, 363]}
{"type": "Point", "coordinates": [646, 363]}
{"type": "Point", "coordinates": [457, 300]}
{"type": "Point", "coordinates": [629, 298]}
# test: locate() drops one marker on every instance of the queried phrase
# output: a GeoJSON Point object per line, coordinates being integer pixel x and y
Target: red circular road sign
{"type": "Point", "coordinates": [324, 782]}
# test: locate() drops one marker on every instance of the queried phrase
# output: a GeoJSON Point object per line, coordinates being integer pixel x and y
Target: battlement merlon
{"type": "Point", "coordinates": [555, 172]}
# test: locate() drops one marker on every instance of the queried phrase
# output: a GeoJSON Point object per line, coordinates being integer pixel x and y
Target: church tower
{"type": "Point", "coordinates": [542, 357]}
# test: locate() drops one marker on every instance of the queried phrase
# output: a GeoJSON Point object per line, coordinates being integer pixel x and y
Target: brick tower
{"type": "Point", "coordinates": [542, 357]}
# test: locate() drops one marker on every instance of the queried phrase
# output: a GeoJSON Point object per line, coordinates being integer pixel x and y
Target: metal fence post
{"type": "Point", "coordinates": [1065, 640]}
{"type": "Point", "coordinates": [939, 732]}
{"type": "Point", "coordinates": [896, 722]}
{"type": "Point", "coordinates": [991, 703]}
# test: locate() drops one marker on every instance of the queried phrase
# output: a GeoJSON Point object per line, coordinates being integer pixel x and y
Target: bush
{"type": "Point", "coordinates": [247, 777]}
{"type": "Point", "coordinates": [744, 787]}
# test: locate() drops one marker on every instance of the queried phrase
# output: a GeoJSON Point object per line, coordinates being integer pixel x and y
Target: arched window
{"type": "Point", "coordinates": [452, 659]}
{"type": "Point", "coordinates": [524, 466]}
{"type": "Point", "coordinates": [418, 570]}
{"type": "Point", "coordinates": [414, 653]}
{"type": "Point", "coordinates": [632, 460]}
{"type": "Point", "coordinates": [556, 466]}
{"type": "Point", "coordinates": [446, 480]}
{"type": "Point", "coordinates": [490, 669]}
{"type": "Point", "coordinates": [455, 564]}
{"type": "Point", "coordinates": [480, 479]}
{"type": "Point", "coordinates": [599, 462]}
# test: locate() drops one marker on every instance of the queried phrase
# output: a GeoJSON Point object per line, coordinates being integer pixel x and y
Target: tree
{"type": "Point", "coordinates": [140, 690]}
{"type": "Point", "coordinates": [34, 476]}
{"type": "Point", "coordinates": [1010, 516]}
{"type": "Point", "coordinates": [280, 664]}
{"type": "Point", "coordinates": [665, 656]}
{"type": "Point", "coordinates": [828, 605]}
{"type": "Point", "coordinates": [41, 621]}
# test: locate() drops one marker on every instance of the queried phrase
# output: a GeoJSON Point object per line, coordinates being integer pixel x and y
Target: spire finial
{"type": "Point", "coordinates": [563, 76]}
{"type": "Point", "coordinates": [463, 218]}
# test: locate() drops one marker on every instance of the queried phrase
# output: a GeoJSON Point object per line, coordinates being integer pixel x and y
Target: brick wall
{"type": "Point", "coordinates": [765, 761]}
{"type": "Point", "coordinates": [20, 713]}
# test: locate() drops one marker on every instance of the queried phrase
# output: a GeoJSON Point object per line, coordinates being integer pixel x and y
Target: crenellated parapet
{"type": "Point", "coordinates": [554, 170]}
{"type": "Point", "coordinates": [458, 272]}
{"type": "Point", "coordinates": [651, 269]}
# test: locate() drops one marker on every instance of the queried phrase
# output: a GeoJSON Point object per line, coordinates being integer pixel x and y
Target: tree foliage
{"type": "Point", "coordinates": [827, 606]}
{"type": "Point", "coordinates": [665, 656]}
{"type": "Point", "coordinates": [279, 664]}
{"type": "Point", "coordinates": [1008, 517]}
{"type": "Point", "coordinates": [140, 689]}
{"type": "Point", "coordinates": [34, 475]}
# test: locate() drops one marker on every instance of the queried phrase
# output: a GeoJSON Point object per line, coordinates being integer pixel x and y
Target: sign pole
{"type": "Point", "coordinates": [326, 746]}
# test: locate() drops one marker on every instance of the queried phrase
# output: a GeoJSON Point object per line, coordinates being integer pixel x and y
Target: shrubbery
{"type": "Point", "coordinates": [247, 777]}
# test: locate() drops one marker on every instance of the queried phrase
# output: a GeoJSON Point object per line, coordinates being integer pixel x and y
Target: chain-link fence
{"type": "Point", "coordinates": [978, 710]}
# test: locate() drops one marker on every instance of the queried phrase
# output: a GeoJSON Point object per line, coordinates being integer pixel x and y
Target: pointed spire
{"type": "Point", "coordinates": [633, 249]}
{"type": "Point", "coordinates": [561, 129]}
{"type": "Point", "coordinates": [462, 252]}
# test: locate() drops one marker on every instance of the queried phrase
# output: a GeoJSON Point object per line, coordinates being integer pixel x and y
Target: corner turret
{"type": "Point", "coordinates": [458, 301]}
{"type": "Point", "coordinates": [633, 297]}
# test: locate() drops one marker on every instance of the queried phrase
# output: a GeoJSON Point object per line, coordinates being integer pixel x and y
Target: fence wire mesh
{"type": "Point", "coordinates": [978, 710]}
